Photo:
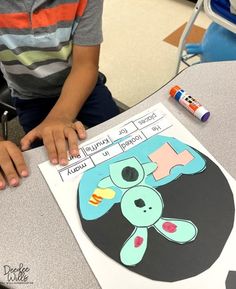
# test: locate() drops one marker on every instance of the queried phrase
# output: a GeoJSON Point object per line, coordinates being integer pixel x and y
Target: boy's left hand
{"type": "Point", "coordinates": [57, 134]}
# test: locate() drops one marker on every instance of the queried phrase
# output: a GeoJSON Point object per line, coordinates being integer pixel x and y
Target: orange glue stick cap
{"type": "Point", "coordinates": [174, 90]}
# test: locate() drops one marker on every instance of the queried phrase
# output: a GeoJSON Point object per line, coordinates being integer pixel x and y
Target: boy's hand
{"type": "Point", "coordinates": [56, 133]}
{"type": "Point", "coordinates": [12, 164]}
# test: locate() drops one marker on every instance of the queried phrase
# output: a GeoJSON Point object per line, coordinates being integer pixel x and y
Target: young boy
{"type": "Point", "coordinates": [49, 55]}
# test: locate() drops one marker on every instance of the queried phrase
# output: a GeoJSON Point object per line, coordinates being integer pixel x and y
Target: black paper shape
{"type": "Point", "coordinates": [231, 280]}
{"type": "Point", "coordinates": [205, 198]}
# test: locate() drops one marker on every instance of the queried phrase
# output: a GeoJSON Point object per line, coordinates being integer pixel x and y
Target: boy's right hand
{"type": "Point", "coordinates": [12, 164]}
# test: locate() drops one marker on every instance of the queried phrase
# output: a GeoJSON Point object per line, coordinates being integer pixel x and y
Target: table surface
{"type": "Point", "coordinates": [34, 232]}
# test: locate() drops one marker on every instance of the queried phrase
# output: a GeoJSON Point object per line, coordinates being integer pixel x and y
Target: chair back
{"type": "Point", "coordinates": [219, 11]}
{"type": "Point", "coordinates": [7, 110]}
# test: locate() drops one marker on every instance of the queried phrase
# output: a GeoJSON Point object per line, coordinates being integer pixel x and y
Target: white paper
{"type": "Point", "coordinates": [156, 120]}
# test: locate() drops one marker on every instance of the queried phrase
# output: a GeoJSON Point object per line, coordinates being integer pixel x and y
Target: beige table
{"type": "Point", "coordinates": [33, 229]}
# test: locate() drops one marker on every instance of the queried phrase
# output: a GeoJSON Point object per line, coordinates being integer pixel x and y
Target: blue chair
{"type": "Point", "coordinates": [218, 11]}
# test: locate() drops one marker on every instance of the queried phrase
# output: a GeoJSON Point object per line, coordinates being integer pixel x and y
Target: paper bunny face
{"type": "Point", "coordinates": [142, 206]}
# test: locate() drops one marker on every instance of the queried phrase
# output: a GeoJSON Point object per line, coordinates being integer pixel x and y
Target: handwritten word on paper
{"type": "Point", "coordinates": [132, 141]}
{"type": "Point", "coordinates": [97, 145]}
{"type": "Point", "coordinates": [148, 119]}
{"type": "Point", "coordinates": [76, 169]}
{"type": "Point", "coordinates": [123, 131]}
{"type": "Point", "coordinates": [106, 154]}
{"type": "Point", "coordinates": [156, 127]}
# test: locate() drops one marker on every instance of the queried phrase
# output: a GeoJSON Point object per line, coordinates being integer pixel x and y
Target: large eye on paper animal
{"type": "Point", "coordinates": [127, 173]}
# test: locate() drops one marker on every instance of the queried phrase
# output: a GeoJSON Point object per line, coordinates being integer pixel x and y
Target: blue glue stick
{"type": "Point", "coordinates": [189, 103]}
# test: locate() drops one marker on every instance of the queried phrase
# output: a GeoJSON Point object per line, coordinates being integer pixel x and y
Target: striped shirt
{"type": "Point", "coordinates": [36, 38]}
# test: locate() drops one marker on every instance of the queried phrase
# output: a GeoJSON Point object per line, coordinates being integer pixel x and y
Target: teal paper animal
{"type": "Point", "coordinates": [142, 206]}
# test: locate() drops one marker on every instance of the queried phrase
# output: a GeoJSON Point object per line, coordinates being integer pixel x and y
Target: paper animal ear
{"type": "Point", "coordinates": [149, 168]}
{"type": "Point", "coordinates": [176, 230]}
{"type": "Point", "coordinates": [134, 248]}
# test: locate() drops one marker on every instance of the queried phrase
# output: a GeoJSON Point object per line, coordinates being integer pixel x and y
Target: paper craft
{"type": "Point", "coordinates": [231, 280]}
{"type": "Point", "coordinates": [167, 158]}
{"type": "Point", "coordinates": [142, 206]}
{"type": "Point", "coordinates": [137, 194]}
{"type": "Point", "coordinates": [148, 196]}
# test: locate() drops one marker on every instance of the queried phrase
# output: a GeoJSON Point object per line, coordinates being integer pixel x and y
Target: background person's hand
{"type": "Point", "coordinates": [58, 135]}
{"type": "Point", "coordinates": [12, 164]}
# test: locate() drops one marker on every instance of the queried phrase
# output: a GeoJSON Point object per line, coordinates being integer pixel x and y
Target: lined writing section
{"type": "Point", "coordinates": [116, 141]}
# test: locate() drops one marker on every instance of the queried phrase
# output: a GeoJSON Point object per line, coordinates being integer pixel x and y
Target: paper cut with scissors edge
{"type": "Point", "coordinates": [119, 226]}
{"type": "Point", "coordinates": [100, 194]}
{"type": "Point", "coordinates": [142, 206]}
{"type": "Point", "coordinates": [167, 158]}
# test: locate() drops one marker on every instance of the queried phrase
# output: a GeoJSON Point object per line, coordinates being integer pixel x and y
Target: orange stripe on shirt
{"type": "Point", "coordinates": [45, 17]}
{"type": "Point", "coordinates": [14, 20]}
{"type": "Point", "coordinates": [51, 16]}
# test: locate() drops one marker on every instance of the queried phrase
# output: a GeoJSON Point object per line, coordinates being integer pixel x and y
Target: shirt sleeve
{"type": "Point", "coordinates": [89, 29]}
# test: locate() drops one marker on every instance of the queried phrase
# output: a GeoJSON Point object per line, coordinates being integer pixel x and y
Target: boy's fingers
{"type": "Point", "coordinates": [9, 170]}
{"type": "Point", "coordinates": [49, 144]}
{"type": "Point", "coordinates": [18, 160]}
{"type": "Point", "coordinates": [28, 139]}
{"type": "Point", "coordinates": [72, 138]}
{"type": "Point", "coordinates": [61, 147]}
{"type": "Point", "coordinates": [2, 182]}
{"type": "Point", "coordinates": [12, 165]}
{"type": "Point", "coordinates": [79, 127]}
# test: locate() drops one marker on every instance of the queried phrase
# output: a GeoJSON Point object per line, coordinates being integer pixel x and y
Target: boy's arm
{"type": "Point", "coordinates": [60, 125]}
{"type": "Point", "coordinates": [12, 164]}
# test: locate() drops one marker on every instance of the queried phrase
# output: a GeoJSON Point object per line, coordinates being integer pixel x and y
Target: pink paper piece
{"type": "Point", "coordinates": [167, 158]}
{"type": "Point", "coordinates": [138, 241]}
{"type": "Point", "coordinates": [169, 227]}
